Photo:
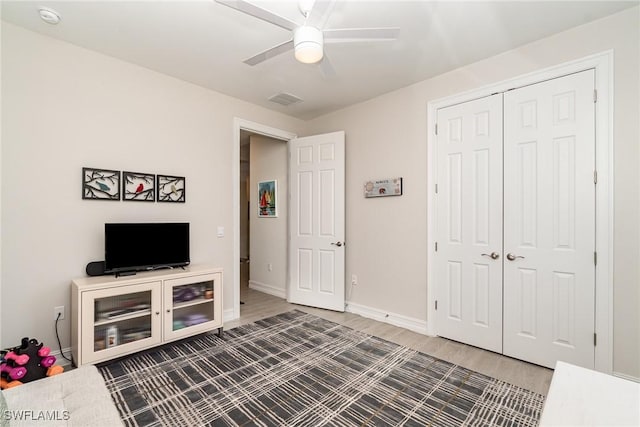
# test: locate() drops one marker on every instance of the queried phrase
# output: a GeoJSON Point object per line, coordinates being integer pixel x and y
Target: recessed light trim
{"type": "Point", "coordinates": [49, 15]}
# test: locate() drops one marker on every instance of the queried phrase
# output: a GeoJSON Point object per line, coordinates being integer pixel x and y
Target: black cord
{"type": "Point", "coordinates": [60, 345]}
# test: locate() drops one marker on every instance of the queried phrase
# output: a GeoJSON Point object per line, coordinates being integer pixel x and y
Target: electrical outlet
{"type": "Point", "coordinates": [354, 279]}
{"type": "Point", "coordinates": [58, 310]}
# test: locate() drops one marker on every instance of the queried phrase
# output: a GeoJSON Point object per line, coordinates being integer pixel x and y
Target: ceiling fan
{"type": "Point", "coordinates": [309, 36]}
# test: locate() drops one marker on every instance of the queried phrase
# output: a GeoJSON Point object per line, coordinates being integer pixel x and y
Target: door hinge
{"type": "Point", "coordinates": [595, 177]}
{"type": "Point", "coordinates": [436, 188]}
{"type": "Point", "coordinates": [436, 129]}
{"type": "Point", "coordinates": [595, 339]}
{"type": "Point", "coordinates": [436, 305]}
{"type": "Point", "coordinates": [595, 258]}
{"type": "Point", "coordinates": [436, 246]}
{"type": "Point", "coordinates": [595, 95]}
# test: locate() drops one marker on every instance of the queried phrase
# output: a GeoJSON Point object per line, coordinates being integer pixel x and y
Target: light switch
{"type": "Point", "coordinates": [220, 231]}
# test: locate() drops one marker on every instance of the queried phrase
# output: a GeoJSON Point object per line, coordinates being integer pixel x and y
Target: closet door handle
{"type": "Point", "coordinates": [492, 255]}
{"type": "Point", "coordinates": [512, 257]}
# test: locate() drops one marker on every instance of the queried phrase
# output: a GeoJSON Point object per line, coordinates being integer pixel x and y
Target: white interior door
{"type": "Point", "coordinates": [317, 222]}
{"type": "Point", "coordinates": [469, 222]}
{"type": "Point", "coordinates": [549, 221]}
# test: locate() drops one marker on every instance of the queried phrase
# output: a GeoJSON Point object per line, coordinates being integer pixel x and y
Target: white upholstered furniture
{"type": "Point", "coordinates": [78, 397]}
{"type": "Point", "coordinates": [582, 397]}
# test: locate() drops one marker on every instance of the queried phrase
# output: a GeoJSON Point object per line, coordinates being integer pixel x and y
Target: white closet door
{"type": "Point", "coordinates": [469, 223]}
{"type": "Point", "coordinates": [549, 221]}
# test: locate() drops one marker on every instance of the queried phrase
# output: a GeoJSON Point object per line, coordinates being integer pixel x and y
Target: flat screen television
{"type": "Point", "coordinates": [131, 247]}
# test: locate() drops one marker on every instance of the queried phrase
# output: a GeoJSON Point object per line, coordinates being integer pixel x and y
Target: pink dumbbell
{"type": "Point", "coordinates": [48, 361]}
{"type": "Point", "coordinates": [14, 373]}
{"type": "Point", "coordinates": [21, 359]}
{"type": "Point", "coordinates": [44, 351]}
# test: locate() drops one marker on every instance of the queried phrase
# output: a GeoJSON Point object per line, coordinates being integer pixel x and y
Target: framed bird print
{"type": "Point", "coordinates": [138, 186]}
{"type": "Point", "coordinates": [170, 188]}
{"type": "Point", "coordinates": [100, 184]}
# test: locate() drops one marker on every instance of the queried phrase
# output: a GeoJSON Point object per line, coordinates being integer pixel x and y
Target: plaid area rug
{"type": "Point", "coordinates": [296, 369]}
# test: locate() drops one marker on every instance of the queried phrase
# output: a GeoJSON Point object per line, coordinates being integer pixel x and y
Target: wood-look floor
{"type": "Point", "coordinates": [258, 305]}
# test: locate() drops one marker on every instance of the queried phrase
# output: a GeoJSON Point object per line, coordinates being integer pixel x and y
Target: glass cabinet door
{"type": "Point", "coordinates": [121, 319]}
{"type": "Point", "coordinates": [190, 305]}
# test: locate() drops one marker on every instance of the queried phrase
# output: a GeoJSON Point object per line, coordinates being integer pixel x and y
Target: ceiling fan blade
{"type": "Point", "coordinates": [320, 13]}
{"type": "Point", "coordinates": [360, 34]}
{"type": "Point", "coordinates": [260, 13]}
{"type": "Point", "coordinates": [270, 53]}
{"type": "Point", "coordinates": [326, 68]}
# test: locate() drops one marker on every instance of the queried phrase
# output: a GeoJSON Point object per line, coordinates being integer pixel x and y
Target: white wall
{"type": "Point", "coordinates": [268, 237]}
{"type": "Point", "coordinates": [65, 107]}
{"type": "Point", "coordinates": [387, 136]}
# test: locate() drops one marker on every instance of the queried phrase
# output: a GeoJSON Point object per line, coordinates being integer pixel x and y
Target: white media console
{"type": "Point", "coordinates": [116, 316]}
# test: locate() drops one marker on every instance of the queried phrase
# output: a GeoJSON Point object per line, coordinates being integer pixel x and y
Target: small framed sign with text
{"type": "Point", "coordinates": [383, 187]}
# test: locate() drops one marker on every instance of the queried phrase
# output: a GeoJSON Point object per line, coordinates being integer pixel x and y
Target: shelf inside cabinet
{"type": "Point", "coordinates": [179, 305]}
{"type": "Point", "coordinates": [122, 317]}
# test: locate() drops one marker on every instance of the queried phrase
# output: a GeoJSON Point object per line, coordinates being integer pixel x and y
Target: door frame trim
{"type": "Point", "coordinates": [240, 124]}
{"type": "Point", "coordinates": [602, 63]}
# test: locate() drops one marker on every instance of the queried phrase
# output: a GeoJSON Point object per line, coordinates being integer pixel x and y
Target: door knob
{"type": "Point", "coordinates": [512, 257]}
{"type": "Point", "coordinates": [492, 255]}
{"type": "Point", "coordinates": [338, 244]}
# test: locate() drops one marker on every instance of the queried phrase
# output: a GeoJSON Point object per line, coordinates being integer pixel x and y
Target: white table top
{"type": "Point", "coordinates": [582, 397]}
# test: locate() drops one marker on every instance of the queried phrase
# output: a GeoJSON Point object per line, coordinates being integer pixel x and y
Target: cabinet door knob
{"type": "Point", "coordinates": [168, 310]}
{"type": "Point", "coordinates": [157, 313]}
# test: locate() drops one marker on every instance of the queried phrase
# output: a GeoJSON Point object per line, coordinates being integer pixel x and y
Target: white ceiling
{"type": "Point", "coordinates": [205, 43]}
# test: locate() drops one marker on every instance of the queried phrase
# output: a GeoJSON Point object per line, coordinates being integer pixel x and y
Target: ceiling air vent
{"type": "Point", "coordinates": [285, 99]}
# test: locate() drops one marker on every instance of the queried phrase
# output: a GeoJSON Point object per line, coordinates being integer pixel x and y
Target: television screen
{"type": "Point", "coordinates": [145, 246]}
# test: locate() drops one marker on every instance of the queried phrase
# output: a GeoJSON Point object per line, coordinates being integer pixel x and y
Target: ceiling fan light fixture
{"type": "Point", "coordinates": [307, 42]}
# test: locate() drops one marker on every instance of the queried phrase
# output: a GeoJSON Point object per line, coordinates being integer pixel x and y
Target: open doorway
{"type": "Point", "coordinates": [241, 125]}
{"type": "Point", "coordinates": [263, 235]}
{"type": "Point", "coordinates": [327, 281]}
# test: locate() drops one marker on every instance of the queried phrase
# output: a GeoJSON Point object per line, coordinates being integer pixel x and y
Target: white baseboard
{"type": "Point", "coordinates": [626, 377]}
{"type": "Point", "coordinates": [228, 315]}
{"type": "Point", "coordinates": [415, 325]}
{"type": "Point", "coordinates": [61, 360]}
{"type": "Point", "coordinates": [268, 289]}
